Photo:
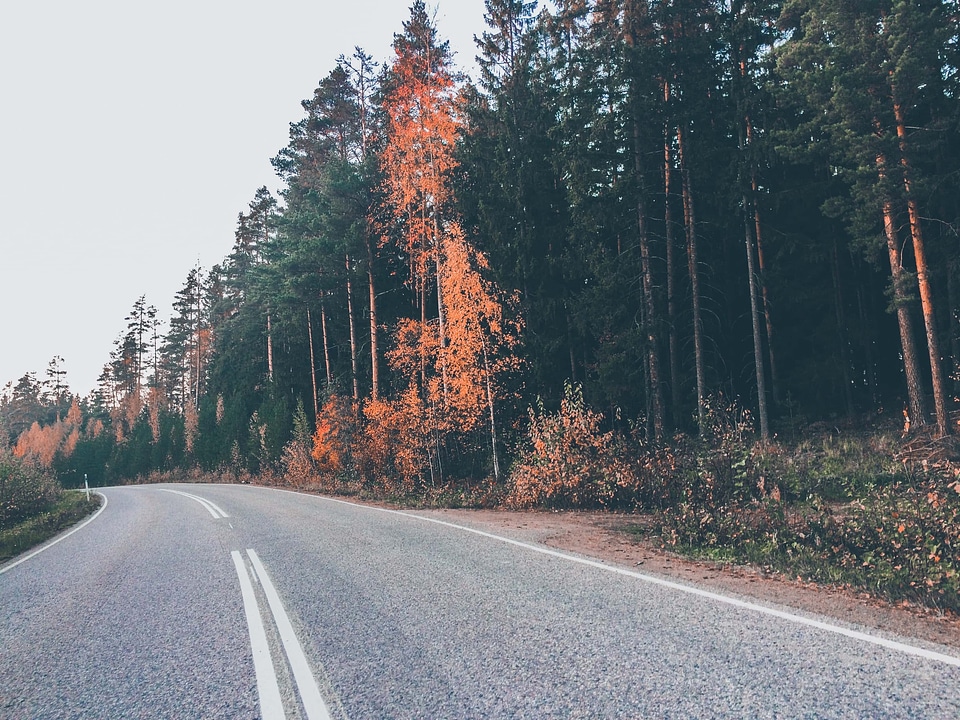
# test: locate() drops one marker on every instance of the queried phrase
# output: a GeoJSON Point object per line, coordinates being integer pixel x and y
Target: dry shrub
{"type": "Point", "coordinates": [297, 459]}
{"type": "Point", "coordinates": [568, 461]}
{"type": "Point", "coordinates": [904, 540]}
{"type": "Point", "coordinates": [301, 471]}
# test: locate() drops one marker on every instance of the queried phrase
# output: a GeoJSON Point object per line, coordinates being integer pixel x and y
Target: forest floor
{"type": "Point", "coordinates": [611, 537]}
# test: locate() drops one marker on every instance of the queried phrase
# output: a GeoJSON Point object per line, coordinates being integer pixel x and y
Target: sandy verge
{"type": "Point", "coordinates": [602, 536]}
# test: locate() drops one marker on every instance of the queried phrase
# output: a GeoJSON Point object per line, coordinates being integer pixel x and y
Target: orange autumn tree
{"type": "Point", "coordinates": [482, 333]}
{"type": "Point", "coordinates": [449, 354]}
{"type": "Point", "coordinates": [421, 130]}
{"type": "Point", "coordinates": [42, 443]}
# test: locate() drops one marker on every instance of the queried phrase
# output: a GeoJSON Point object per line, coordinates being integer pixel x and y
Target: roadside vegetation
{"type": "Point", "coordinates": [33, 505]}
{"type": "Point", "coordinates": [640, 212]}
{"type": "Point", "coordinates": [866, 507]}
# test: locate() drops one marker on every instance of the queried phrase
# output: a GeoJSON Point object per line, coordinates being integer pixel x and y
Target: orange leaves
{"type": "Point", "coordinates": [74, 415]}
{"type": "Point", "coordinates": [568, 460]}
{"type": "Point", "coordinates": [421, 130]}
{"type": "Point", "coordinates": [333, 438]}
{"type": "Point", "coordinates": [478, 339]}
{"type": "Point", "coordinates": [451, 370]}
{"type": "Point", "coordinates": [397, 441]}
{"type": "Point", "coordinates": [386, 444]}
{"type": "Point", "coordinates": [44, 443]}
{"type": "Point", "coordinates": [445, 361]}
{"type": "Point", "coordinates": [415, 344]}
{"type": "Point", "coordinates": [38, 442]}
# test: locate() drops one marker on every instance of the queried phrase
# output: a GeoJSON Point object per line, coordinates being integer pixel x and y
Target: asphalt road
{"type": "Point", "coordinates": [211, 601]}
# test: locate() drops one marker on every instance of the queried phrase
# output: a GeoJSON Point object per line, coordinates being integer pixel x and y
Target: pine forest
{"type": "Point", "coordinates": [659, 255]}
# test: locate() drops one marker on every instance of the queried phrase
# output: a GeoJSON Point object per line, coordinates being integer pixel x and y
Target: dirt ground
{"type": "Point", "coordinates": [603, 536]}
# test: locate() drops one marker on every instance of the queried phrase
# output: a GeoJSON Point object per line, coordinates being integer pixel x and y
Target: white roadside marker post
{"type": "Point", "coordinates": [87, 486]}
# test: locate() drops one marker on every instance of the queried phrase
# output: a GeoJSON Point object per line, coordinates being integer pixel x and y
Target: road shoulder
{"type": "Point", "coordinates": [604, 536]}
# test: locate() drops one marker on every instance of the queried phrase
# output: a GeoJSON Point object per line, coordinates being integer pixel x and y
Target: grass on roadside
{"type": "Point", "coordinates": [71, 508]}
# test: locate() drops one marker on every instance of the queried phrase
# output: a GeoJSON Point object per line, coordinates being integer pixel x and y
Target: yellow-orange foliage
{"type": "Point", "coordinates": [398, 441]}
{"type": "Point", "coordinates": [479, 340]}
{"type": "Point", "coordinates": [421, 130]}
{"type": "Point", "coordinates": [94, 428]}
{"type": "Point", "coordinates": [125, 414]}
{"type": "Point", "coordinates": [74, 414]}
{"type": "Point", "coordinates": [70, 442]}
{"type": "Point", "coordinates": [43, 442]}
{"type": "Point", "coordinates": [333, 438]}
{"type": "Point", "coordinates": [39, 442]}
{"type": "Point", "coordinates": [457, 376]}
{"type": "Point", "coordinates": [447, 366]}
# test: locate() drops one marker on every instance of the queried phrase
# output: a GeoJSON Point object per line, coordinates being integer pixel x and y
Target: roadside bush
{"type": "Point", "coordinates": [568, 461]}
{"type": "Point", "coordinates": [26, 489]}
{"type": "Point", "coordinates": [900, 540]}
{"type": "Point", "coordinates": [905, 541]}
{"type": "Point", "coordinates": [296, 458]}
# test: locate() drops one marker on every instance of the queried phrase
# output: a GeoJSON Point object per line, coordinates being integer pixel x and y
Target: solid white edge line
{"type": "Point", "coordinates": [62, 537]}
{"type": "Point", "coordinates": [313, 702]}
{"type": "Point", "coordinates": [717, 597]}
{"type": "Point", "coordinates": [207, 505]}
{"type": "Point", "coordinates": [268, 689]}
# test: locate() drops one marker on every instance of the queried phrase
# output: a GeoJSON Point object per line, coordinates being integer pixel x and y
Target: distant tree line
{"type": "Point", "coordinates": [658, 202]}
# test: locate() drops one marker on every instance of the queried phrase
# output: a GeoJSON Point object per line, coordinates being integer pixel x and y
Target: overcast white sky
{"type": "Point", "coordinates": [131, 136]}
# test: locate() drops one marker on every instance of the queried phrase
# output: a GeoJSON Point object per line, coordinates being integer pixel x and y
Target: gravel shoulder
{"type": "Point", "coordinates": [605, 536]}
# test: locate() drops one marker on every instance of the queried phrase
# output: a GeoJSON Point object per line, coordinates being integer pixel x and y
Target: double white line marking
{"type": "Point", "coordinates": [271, 702]}
{"type": "Point", "coordinates": [210, 507]}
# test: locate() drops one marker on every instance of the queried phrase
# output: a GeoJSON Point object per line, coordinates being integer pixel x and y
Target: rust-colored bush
{"type": "Point", "coordinates": [568, 461]}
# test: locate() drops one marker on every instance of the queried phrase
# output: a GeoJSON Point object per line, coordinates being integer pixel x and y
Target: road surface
{"type": "Point", "coordinates": [218, 601]}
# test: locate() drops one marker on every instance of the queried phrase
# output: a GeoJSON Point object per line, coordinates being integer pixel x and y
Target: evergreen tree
{"type": "Point", "coordinates": [861, 72]}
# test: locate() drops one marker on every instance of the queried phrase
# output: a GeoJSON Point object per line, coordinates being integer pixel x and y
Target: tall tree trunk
{"type": "Point", "coordinates": [765, 295]}
{"type": "Point", "coordinates": [313, 366]}
{"type": "Point", "coordinates": [441, 319]}
{"type": "Point", "coordinates": [374, 353]}
{"type": "Point", "coordinates": [199, 339]}
{"type": "Point", "coordinates": [269, 349]}
{"type": "Point", "coordinates": [326, 341]}
{"type": "Point", "coordinates": [673, 343]}
{"type": "Point", "coordinates": [910, 368]}
{"type": "Point", "coordinates": [689, 218]}
{"type": "Point", "coordinates": [755, 321]}
{"type": "Point", "coordinates": [749, 222]}
{"type": "Point", "coordinates": [764, 291]}
{"type": "Point", "coordinates": [654, 389]}
{"type": "Point", "coordinates": [423, 328]}
{"type": "Point", "coordinates": [353, 335]}
{"type": "Point", "coordinates": [841, 328]}
{"type": "Point", "coordinates": [493, 422]}
{"type": "Point", "coordinates": [923, 281]}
